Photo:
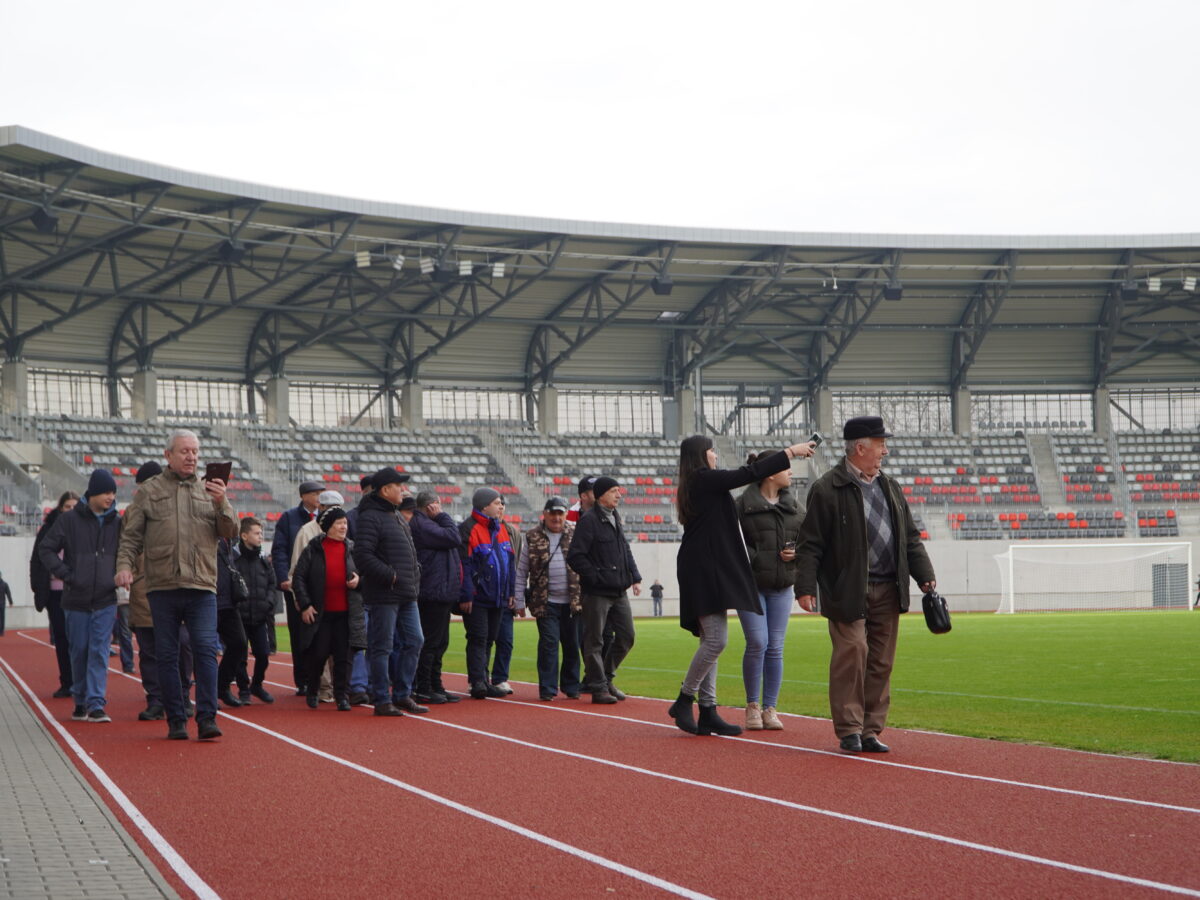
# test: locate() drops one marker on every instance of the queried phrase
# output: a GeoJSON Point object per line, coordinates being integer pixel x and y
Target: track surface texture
{"type": "Point", "coordinates": [517, 797]}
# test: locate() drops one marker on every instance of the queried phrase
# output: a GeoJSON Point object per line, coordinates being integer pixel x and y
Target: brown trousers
{"type": "Point", "coordinates": [860, 666]}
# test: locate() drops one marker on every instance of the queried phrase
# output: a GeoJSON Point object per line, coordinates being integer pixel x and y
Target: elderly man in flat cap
{"type": "Point", "coordinates": [282, 545]}
{"type": "Point", "coordinates": [858, 543]}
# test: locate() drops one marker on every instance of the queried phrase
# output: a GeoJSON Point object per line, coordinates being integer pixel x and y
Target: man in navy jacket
{"type": "Point", "coordinates": [286, 528]}
{"type": "Point", "coordinates": [437, 541]}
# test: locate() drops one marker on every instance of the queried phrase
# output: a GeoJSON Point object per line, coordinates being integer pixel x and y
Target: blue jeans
{"type": "Point", "coordinates": [556, 629]}
{"type": "Point", "coordinates": [89, 635]}
{"type": "Point", "coordinates": [406, 649]}
{"type": "Point", "coordinates": [762, 663]}
{"type": "Point", "coordinates": [381, 634]}
{"type": "Point", "coordinates": [502, 658]}
{"type": "Point", "coordinates": [198, 610]}
{"type": "Point", "coordinates": [359, 681]}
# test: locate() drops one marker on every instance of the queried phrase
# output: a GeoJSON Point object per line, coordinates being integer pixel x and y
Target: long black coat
{"type": "Point", "coordinates": [712, 566]}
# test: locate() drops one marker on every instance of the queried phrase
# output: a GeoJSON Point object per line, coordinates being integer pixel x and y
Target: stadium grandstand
{"type": "Point", "coordinates": [1041, 388]}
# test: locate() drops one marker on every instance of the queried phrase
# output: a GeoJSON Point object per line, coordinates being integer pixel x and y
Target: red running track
{"type": "Point", "coordinates": [512, 797]}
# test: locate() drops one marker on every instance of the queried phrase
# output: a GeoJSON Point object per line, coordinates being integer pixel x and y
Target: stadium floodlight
{"type": "Point", "coordinates": [1189, 283]}
{"type": "Point", "coordinates": [398, 262]}
{"type": "Point", "coordinates": [362, 258]}
{"type": "Point", "coordinates": [1153, 284]}
{"type": "Point", "coordinates": [497, 270]}
{"type": "Point", "coordinates": [44, 221]}
{"type": "Point", "coordinates": [428, 265]}
{"type": "Point", "coordinates": [669, 315]}
{"type": "Point", "coordinates": [465, 268]}
{"type": "Point", "coordinates": [893, 290]}
{"type": "Point", "coordinates": [1129, 291]}
{"type": "Point", "coordinates": [662, 284]}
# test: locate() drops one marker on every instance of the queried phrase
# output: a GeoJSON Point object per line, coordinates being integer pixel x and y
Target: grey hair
{"type": "Point", "coordinates": [180, 433]}
{"type": "Point", "coordinates": [852, 444]}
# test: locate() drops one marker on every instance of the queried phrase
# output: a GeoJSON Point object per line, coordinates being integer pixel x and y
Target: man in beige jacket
{"type": "Point", "coordinates": [176, 519]}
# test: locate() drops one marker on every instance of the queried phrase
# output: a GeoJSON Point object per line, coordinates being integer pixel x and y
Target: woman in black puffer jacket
{"type": "Point", "coordinates": [770, 517]}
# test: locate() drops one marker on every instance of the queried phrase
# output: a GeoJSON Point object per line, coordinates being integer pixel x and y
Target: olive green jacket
{"type": "Point", "coordinates": [172, 521]}
{"type": "Point", "coordinates": [833, 545]}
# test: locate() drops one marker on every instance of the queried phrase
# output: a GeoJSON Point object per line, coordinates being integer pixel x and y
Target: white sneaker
{"type": "Point", "coordinates": [770, 720]}
{"type": "Point", "coordinates": [504, 686]}
{"type": "Point", "coordinates": [754, 717]}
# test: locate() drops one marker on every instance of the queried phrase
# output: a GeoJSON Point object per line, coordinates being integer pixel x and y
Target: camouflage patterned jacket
{"type": "Point", "coordinates": [537, 545]}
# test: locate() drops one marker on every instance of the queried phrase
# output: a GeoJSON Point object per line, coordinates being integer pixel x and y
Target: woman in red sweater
{"type": "Point", "coordinates": [324, 582]}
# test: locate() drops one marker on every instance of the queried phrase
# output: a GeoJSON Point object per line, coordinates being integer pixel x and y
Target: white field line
{"type": "Point", "coordinates": [160, 843]}
{"type": "Point", "coordinates": [845, 817]}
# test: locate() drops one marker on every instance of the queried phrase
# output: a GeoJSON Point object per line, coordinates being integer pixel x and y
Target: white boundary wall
{"type": "Point", "coordinates": [967, 575]}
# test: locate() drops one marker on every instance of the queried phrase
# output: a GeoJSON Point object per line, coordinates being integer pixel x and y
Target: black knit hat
{"type": "Point", "coordinates": [147, 471]}
{"type": "Point", "coordinates": [101, 482]}
{"type": "Point", "coordinates": [329, 516]}
{"type": "Point", "coordinates": [603, 485]}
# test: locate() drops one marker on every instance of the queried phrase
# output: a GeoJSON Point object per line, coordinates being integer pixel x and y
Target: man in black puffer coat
{"type": "Point", "coordinates": [390, 579]}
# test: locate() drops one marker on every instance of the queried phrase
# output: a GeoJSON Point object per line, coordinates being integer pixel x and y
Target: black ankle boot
{"type": "Point", "coordinates": [711, 723]}
{"type": "Point", "coordinates": [681, 712]}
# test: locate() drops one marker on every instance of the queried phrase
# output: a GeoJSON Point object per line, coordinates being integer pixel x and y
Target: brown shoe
{"type": "Point", "coordinates": [409, 705]}
{"type": "Point", "coordinates": [603, 697]}
{"type": "Point", "coordinates": [754, 717]}
{"type": "Point", "coordinates": [770, 719]}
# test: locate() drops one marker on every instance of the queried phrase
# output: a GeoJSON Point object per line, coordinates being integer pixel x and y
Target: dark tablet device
{"type": "Point", "coordinates": [218, 471]}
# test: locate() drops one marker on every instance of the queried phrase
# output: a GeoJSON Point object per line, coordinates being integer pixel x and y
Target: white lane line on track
{"type": "Point", "coordinates": [152, 834]}
{"type": "Point", "coordinates": [570, 850]}
{"type": "Point", "coordinates": [846, 817]}
{"type": "Point", "coordinates": [866, 760]}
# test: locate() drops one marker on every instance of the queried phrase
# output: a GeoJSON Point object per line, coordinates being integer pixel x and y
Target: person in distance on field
{"type": "Point", "coordinates": [859, 544]}
{"type": "Point", "coordinates": [712, 567]}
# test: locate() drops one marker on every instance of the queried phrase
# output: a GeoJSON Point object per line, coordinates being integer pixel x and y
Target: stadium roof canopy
{"type": "Point", "coordinates": [110, 264]}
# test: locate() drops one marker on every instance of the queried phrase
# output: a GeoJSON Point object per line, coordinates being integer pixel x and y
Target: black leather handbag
{"type": "Point", "coordinates": [937, 613]}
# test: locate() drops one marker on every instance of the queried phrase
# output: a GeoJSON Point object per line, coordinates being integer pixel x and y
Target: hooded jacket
{"type": "Point", "coordinates": [489, 561]}
{"type": "Point", "coordinates": [833, 545]}
{"type": "Point", "coordinates": [89, 561]}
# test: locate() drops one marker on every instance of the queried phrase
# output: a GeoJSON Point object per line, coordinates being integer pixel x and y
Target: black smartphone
{"type": "Point", "coordinates": [218, 471]}
{"type": "Point", "coordinates": [816, 439]}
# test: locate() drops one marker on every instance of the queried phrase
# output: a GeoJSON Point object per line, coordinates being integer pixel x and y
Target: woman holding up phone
{"type": "Point", "coordinates": [770, 517]}
{"type": "Point", "coordinates": [714, 572]}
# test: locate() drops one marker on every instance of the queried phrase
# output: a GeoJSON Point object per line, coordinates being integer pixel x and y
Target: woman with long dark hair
{"type": "Point", "coordinates": [713, 569]}
{"type": "Point", "coordinates": [771, 519]}
{"type": "Point", "coordinates": [47, 594]}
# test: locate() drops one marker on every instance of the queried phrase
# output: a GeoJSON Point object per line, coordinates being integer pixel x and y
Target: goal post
{"type": "Point", "coordinates": [1037, 577]}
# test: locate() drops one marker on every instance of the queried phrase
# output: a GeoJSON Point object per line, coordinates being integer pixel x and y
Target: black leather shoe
{"type": "Point", "coordinates": [545, 697]}
{"type": "Point", "coordinates": [479, 690]}
{"type": "Point", "coordinates": [710, 722]}
{"type": "Point", "coordinates": [449, 697]}
{"type": "Point", "coordinates": [206, 729]}
{"type": "Point", "coordinates": [852, 743]}
{"type": "Point", "coordinates": [409, 705]}
{"type": "Point", "coordinates": [616, 691]}
{"type": "Point", "coordinates": [603, 697]}
{"type": "Point", "coordinates": [343, 705]}
{"type": "Point", "coordinates": [386, 709]}
{"type": "Point", "coordinates": [229, 700]}
{"type": "Point", "coordinates": [312, 701]}
{"type": "Point", "coordinates": [261, 693]}
{"type": "Point", "coordinates": [872, 744]}
{"type": "Point", "coordinates": [62, 692]}
{"type": "Point", "coordinates": [572, 695]}
{"type": "Point", "coordinates": [177, 730]}
{"type": "Point", "coordinates": [493, 691]}
{"type": "Point", "coordinates": [153, 713]}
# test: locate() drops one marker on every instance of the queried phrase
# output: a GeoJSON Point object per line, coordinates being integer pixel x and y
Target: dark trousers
{"type": "Point", "coordinates": [332, 639]}
{"type": "Point", "coordinates": [295, 626]}
{"type": "Point", "coordinates": [148, 665]}
{"type": "Point", "coordinates": [2, 608]}
{"type": "Point", "coordinates": [260, 646]}
{"type": "Point", "coordinates": [504, 647]}
{"type": "Point", "coordinates": [599, 614]}
{"type": "Point", "coordinates": [233, 636]}
{"type": "Point", "coordinates": [556, 629]}
{"type": "Point", "coordinates": [198, 610]}
{"type": "Point", "coordinates": [124, 636]}
{"type": "Point", "coordinates": [435, 622]}
{"type": "Point", "coordinates": [482, 624]}
{"type": "Point", "coordinates": [58, 628]}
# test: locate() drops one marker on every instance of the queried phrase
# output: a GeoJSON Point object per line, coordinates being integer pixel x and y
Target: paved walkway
{"type": "Point", "coordinates": [57, 838]}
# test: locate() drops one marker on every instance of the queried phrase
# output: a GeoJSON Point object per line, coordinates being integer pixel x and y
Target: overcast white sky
{"type": "Point", "coordinates": [948, 117]}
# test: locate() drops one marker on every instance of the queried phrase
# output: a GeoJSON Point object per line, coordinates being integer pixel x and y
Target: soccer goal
{"type": "Point", "coordinates": [1036, 577]}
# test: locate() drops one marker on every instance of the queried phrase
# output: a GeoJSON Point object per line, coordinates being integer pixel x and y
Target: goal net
{"type": "Point", "coordinates": [1063, 577]}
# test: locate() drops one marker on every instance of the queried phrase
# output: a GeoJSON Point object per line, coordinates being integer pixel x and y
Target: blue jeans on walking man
{"type": "Point", "coordinates": [89, 635]}
{"type": "Point", "coordinates": [556, 630]}
{"type": "Point", "coordinates": [406, 650]}
{"type": "Point", "coordinates": [502, 658]}
{"type": "Point", "coordinates": [198, 610]}
{"type": "Point", "coordinates": [381, 634]}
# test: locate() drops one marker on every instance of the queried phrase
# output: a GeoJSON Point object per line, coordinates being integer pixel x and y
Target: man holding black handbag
{"type": "Point", "coordinates": [858, 542]}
